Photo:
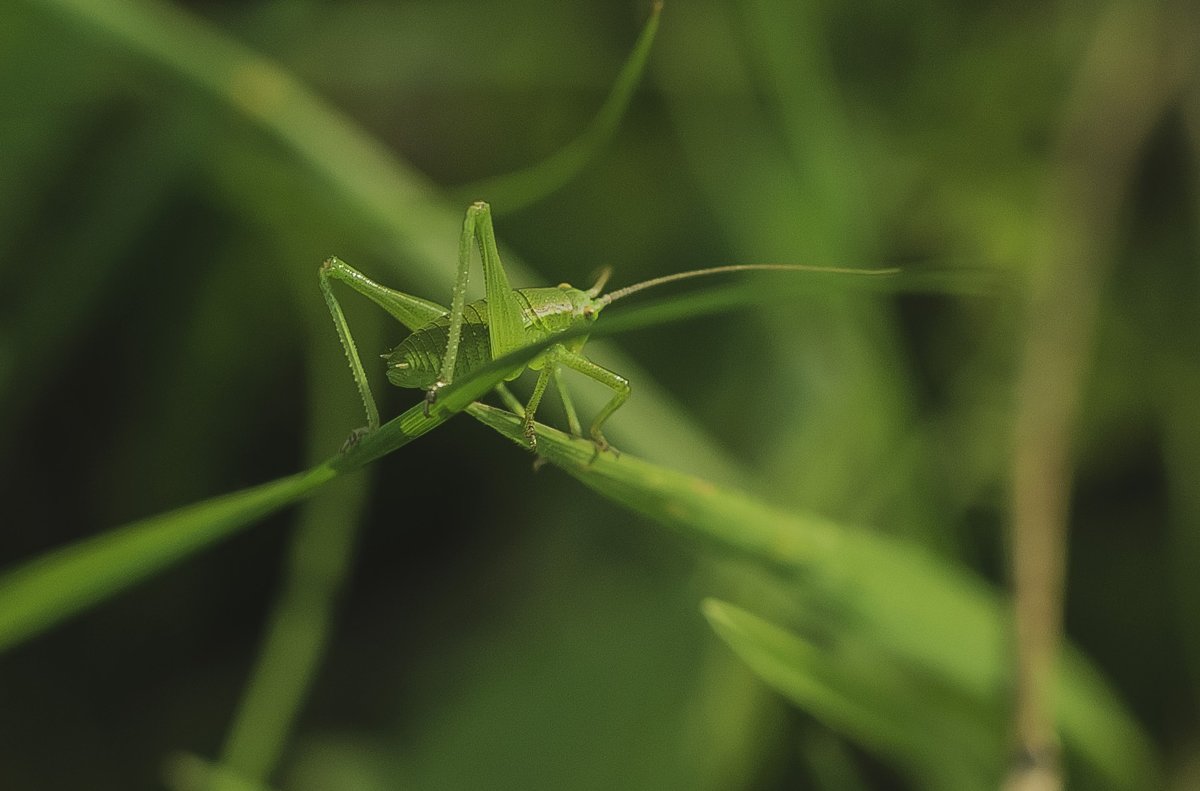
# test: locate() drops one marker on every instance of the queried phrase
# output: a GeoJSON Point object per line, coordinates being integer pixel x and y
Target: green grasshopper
{"type": "Point", "coordinates": [446, 344]}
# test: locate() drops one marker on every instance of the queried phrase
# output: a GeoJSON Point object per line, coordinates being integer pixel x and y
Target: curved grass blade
{"type": "Point", "coordinates": [924, 612]}
{"type": "Point", "coordinates": [406, 214]}
{"type": "Point", "coordinates": [514, 191]}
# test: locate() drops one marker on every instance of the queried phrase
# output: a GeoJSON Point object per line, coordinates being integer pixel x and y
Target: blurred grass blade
{"type": "Point", "coordinates": [134, 176]}
{"type": "Point", "coordinates": [298, 630]}
{"type": "Point", "coordinates": [57, 112]}
{"type": "Point", "coordinates": [60, 583]}
{"type": "Point", "coordinates": [190, 772]}
{"type": "Point", "coordinates": [831, 761]}
{"type": "Point", "coordinates": [396, 207]}
{"type": "Point", "coordinates": [890, 582]}
{"type": "Point", "coordinates": [318, 560]}
{"type": "Point", "coordinates": [945, 741]}
{"type": "Point", "coordinates": [925, 612]}
{"type": "Point", "coordinates": [796, 72]}
{"type": "Point", "coordinates": [515, 191]}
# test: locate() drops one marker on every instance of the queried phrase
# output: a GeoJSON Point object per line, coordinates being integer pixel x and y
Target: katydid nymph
{"type": "Point", "coordinates": [448, 343]}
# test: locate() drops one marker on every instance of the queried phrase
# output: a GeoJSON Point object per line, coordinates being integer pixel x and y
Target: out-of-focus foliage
{"type": "Point", "coordinates": [172, 174]}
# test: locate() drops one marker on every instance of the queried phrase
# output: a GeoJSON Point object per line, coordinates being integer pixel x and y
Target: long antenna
{"type": "Point", "coordinates": [621, 293]}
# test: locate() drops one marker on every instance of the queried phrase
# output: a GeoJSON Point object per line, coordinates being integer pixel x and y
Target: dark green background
{"type": "Point", "coordinates": [163, 340]}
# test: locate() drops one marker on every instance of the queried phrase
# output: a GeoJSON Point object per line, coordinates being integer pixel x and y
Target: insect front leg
{"type": "Point", "coordinates": [506, 330]}
{"type": "Point", "coordinates": [458, 301]}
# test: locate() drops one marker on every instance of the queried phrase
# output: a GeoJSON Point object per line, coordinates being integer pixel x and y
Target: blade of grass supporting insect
{"type": "Point", "coordinates": [48, 589]}
{"type": "Point", "coordinates": [937, 599]}
{"type": "Point", "coordinates": [515, 191]}
{"type": "Point", "coordinates": [51, 588]}
{"type": "Point", "coordinates": [299, 625]}
{"type": "Point", "coordinates": [921, 610]}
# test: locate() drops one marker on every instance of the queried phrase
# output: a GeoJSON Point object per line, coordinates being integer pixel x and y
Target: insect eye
{"type": "Point", "coordinates": [564, 286]}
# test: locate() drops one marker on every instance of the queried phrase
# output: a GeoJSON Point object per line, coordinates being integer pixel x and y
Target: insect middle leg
{"type": "Point", "coordinates": [561, 355]}
{"type": "Point", "coordinates": [618, 384]}
{"type": "Point", "coordinates": [568, 404]}
{"type": "Point", "coordinates": [550, 371]}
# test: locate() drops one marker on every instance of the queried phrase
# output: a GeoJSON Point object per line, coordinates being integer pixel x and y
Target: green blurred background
{"type": "Point", "coordinates": [168, 186]}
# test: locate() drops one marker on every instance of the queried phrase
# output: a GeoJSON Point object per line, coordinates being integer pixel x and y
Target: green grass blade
{"type": "Point", "coordinates": [945, 741]}
{"type": "Point", "coordinates": [48, 315]}
{"type": "Point", "coordinates": [60, 583]}
{"type": "Point", "coordinates": [50, 588]}
{"type": "Point", "coordinates": [922, 611]}
{"type": "Point", "coordinates": [514, 191]}
{"type": "Point", "coordinates": [190, 772]}
{"type": "Point", "coordinates": [298, 630]}
{"type": "Point", "coordinates": [795, 72]}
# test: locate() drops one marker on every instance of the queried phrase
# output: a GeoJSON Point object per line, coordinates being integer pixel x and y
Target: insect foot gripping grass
{"type": "Point", "coordinates": [446, 344]}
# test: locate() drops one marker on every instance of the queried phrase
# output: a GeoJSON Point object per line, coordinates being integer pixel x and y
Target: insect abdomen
{"type": "Point", "coordinates": [417, 361]}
